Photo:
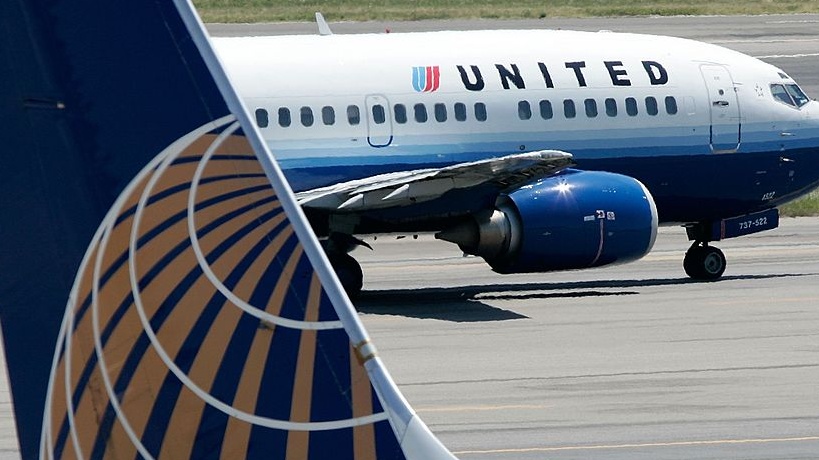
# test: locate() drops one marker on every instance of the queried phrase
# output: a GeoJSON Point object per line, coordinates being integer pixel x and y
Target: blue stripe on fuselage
{"type": "Point", "coordinates": [688, 185]}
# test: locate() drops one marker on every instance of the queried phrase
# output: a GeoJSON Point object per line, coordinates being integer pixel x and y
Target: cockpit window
{"type": "Point", "coordinates": [797, 94]}
{"type": "Point", "coordinates": [790, 94]}
{"type": "Point", "coordinates": [781, 94]}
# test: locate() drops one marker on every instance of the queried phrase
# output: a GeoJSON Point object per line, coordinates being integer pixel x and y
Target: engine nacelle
{"type": "Point", "coordinates": [576, 219]}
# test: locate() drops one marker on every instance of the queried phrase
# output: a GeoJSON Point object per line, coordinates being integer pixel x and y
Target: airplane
{"type": "Point", "coordinates": [537, 150]}
{"type": "Point", "coordinates": [162, 294]}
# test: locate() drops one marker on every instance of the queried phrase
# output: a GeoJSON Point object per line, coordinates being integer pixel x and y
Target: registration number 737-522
{"type": "Point", "coordinates": [745, 225]}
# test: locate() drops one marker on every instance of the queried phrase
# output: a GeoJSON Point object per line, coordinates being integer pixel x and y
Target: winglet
{"type": "Point", "coordinates": [323, 27]}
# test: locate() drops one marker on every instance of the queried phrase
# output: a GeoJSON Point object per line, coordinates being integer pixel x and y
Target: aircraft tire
{"type": "Point", "coordinates": [704, 263]}
{"type": "Point", "coordinates": [349, 273]}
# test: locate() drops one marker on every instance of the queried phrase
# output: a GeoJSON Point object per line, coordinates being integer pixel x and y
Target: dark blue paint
{"type": "Point", "coordinates": [293, 306]}
{"type": "Point", "coordinates": [686, 187]}
{"type": "Point", "coordinates": [275, 396]}
{"type": "Point", "coordinates": [386, 445]}
{"type": "Point", "coordinates": [745, 225]}
{"type": "Point", "coordinates": [326, 310]}
{"type": "Point", "coordinates": [567, 218]}
{"type": "Point", "coordinates": [331, 384]}
{"type": "Point", "coordinates": [330, 444]}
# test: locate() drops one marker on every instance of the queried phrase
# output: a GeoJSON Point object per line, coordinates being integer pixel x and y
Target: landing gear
{"type": "Point", "coordinates": [703, 262]}
{"type": "Point", "coordinates": [348, 272]}
{"type": "Point", "coordinates": [337, 247]}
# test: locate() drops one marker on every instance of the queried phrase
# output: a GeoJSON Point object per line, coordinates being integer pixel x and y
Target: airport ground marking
{"type": "Point", "coordinates": [640, 445]}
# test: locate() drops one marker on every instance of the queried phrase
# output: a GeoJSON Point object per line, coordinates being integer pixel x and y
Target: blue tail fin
{"type": "Point", "coordinates": [202, 319]}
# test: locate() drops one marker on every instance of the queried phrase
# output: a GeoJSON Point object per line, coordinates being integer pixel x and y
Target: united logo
{"type": "Point", "coordinates": [426, 79]}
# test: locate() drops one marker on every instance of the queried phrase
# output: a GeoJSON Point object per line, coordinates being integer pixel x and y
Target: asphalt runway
{"type": "Point", "coordinates": [628, 362]}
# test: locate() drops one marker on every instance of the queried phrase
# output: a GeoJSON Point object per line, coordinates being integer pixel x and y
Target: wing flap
{"type": "Point", "coordinates": [417, 186]}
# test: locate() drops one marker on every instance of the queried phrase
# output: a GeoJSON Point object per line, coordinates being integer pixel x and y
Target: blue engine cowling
{"type": "Point", "coordinates": [575, 219]}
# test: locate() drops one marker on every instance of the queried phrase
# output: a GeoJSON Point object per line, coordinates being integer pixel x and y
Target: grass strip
{"type": "Point", "coordinates": [248, 11]}
{"type": "Point", "coordinates": [808, 205]}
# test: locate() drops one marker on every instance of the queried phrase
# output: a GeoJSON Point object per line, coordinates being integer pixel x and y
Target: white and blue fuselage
{"type": "Point", "coordinates": [711, 132]}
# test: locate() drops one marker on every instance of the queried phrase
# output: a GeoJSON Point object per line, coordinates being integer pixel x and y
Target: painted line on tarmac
{"type": "Point", "coordinates": [765, 301]}
{"type": "Point", "coordinates": [787, 56]}
{"type": "Point", "coordinates": [715, 442]}
{"type": "Point", "coordinates": [773, 40]}
{"type": "Point", "coordinates": [480, 408]}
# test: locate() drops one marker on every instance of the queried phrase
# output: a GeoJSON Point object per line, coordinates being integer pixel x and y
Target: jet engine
{"type": "Point", "coordinates": [575, 219]}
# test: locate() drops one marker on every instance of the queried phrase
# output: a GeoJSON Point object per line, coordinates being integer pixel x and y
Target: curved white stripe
{"type": "Point", "coordinates": [189, 384]}
{"type": "Point", "coordinates": [47, 439]}
{"type": "Point", "coordinates": [203, 264]}
{"type": "Point", "coordinates": [109, 221]}
{"type": "Point", "coordinates": [112, 397]}
{"type": "Point", "coordinates": [69, 403]}
{"type": "Point", "coordinates": [46, 434]}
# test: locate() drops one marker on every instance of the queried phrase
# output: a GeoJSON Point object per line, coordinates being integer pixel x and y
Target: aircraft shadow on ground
{"type": "Point", "coordinates": [464, 303]}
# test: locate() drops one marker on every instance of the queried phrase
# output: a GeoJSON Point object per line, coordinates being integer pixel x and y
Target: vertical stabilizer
{"type": "Point", "coordinates": [323, 27]}
{"type": "Point", "coordinates": [162, 294]}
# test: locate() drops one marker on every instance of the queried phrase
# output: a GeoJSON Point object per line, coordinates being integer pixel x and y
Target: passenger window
{"type": "Point", "coordinates": [569, 110]}
{"type": "Point", "coordinates": [284, 117]}
{"type": "Point", "coordinates": [379, 116]}
{"type": "Point", "coordinates": [420, 113]}
{"type": "Point", "coordinates": [440, 113]}
{"type": "Point", "coordinates": [328, 115]}
{"type": "Point", "coordinates": [261, 118]}
{"type": "Point", "coordinates": [524, 110]}
{"type": "Point", "coordinates": [353, 115]}
{"type": "Point", "coordinates": [780, 94]}
{"type": "Point", "coordinates": [631, 106]}
{"type": "Point", "coordinates": [306, 116]}
{"type": "Point", "coordinates": [611, 107]}
{"type": "Point", "coordinates": [670, 105]}
{"type": "Point", "coordinates": [798, 96]}
{"type": "Point", "coordinates": [651, 106]}
{"type": "Point", "coordinates": [480, 111]}
{"type": "Point", "coordinates": [546, 110]}
{"type": "Point", "coordinates": [591, 107]}
{"type": "Point", "coordinates": [460, 111]}
{"type": "Point", "coordinates": [400, 111]}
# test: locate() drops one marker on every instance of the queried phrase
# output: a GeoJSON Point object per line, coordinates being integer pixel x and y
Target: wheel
{"type": "Point", "coordinates": [349, 273]}
{"type": "Point", "coordinates": [705, 263]}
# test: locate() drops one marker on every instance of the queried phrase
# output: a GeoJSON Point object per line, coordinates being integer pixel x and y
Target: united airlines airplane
{"type": "Point", "coordinates": [161, 293]}
{"type": "Point", "coordinates": [537, 150]}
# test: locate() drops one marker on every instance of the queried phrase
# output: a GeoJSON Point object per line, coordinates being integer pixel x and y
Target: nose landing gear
{"type": "Point", "coordinates": [703, 262]}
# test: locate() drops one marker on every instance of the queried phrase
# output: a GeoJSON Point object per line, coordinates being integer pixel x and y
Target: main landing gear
{"type": "Point", "coordinates": [337, 247]}
{"type": "Point", "coordinates": [703, 262]}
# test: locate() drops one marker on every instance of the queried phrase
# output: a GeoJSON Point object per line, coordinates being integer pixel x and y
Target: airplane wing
{"type": "Point", "coordinates": [416, 186]}
{"type": "Point", "coordinates": [162, 294]}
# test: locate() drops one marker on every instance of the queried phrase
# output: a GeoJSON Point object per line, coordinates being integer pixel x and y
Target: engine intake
{"type": "Point", "coordinates": [576, 219]}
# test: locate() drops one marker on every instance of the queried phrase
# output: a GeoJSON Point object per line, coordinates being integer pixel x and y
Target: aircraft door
{"type": "Point", "coordinates": [379, 121]}
{"type": "Point", "coordinates": [724, 107]}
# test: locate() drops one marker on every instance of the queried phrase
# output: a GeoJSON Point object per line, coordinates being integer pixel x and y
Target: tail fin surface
{"type": "Point", "coordinates": [202, 320]}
